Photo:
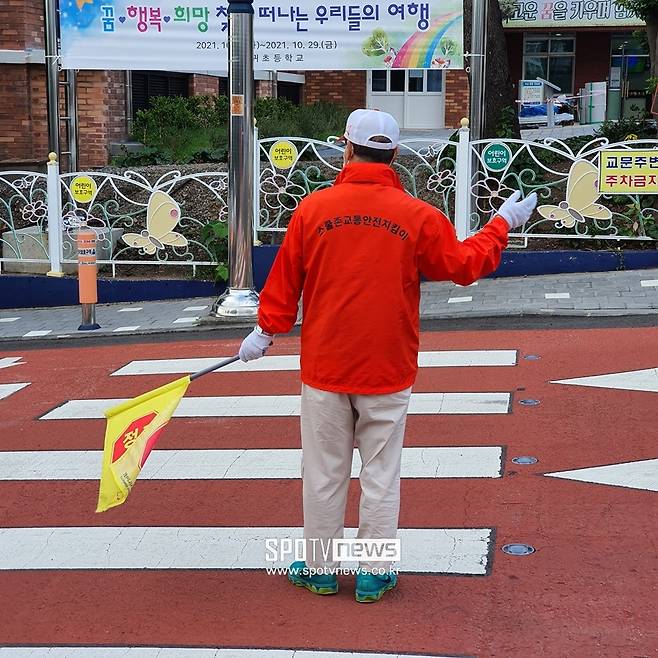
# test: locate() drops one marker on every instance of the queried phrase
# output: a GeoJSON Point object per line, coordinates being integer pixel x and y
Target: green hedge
{"type": "Point", "coordinates": [178, 130]}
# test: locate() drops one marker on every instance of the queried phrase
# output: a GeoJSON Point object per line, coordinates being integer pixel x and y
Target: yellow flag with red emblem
{"type": "Point", "coordinates": [133, 428]}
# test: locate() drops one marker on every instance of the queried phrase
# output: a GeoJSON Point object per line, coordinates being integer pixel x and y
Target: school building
{"type": "Point", "coordinates": [567, 42]}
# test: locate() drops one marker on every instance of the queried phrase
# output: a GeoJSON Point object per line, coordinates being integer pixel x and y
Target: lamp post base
{"type": "Point", "coordinates": [236, 303]}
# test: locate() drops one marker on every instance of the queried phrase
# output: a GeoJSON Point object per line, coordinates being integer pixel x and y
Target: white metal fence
{"type": "Point", "coordinates": [162, 216]}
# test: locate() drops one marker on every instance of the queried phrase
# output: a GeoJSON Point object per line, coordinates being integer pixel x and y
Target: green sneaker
{"type": "Point", "coordinates": [370, 588]}
{"type": "Point", "coordinates": [299, 575]}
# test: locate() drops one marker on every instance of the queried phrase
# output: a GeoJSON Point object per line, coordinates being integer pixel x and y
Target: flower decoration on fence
{"type": "Point", "coordinates": [162, 216]}
{"type": "Point", "coordinates": [35, 212]}
{"type": "Point", "coordinates": [441, 181]}
{"type": "Point", "coordinates": [219, 185]}
{"type": "Point", "coordinates": [78, 217]}
{"type": "Point", "coordinates": [490, 194]}
{"type": "Point", "coordinates": [280, 193]}
{"type": "Point", "coordinates": [25, 183]}
{"type": "Point", "coordinates": [580, 203]}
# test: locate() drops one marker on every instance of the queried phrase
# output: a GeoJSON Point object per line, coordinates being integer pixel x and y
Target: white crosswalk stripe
{"type": "Point", "coordinates": [9, 361]}
{"type": "Point", "coordinates": [463, 551]}
{"type": "Point", "coordinates": [633, 475]}
{"type": "Point", "coordinates": [8, 389]}
{"type": "Point", "coordinates": [465, 462]}
{"type": "Point", "coordinates": [288, 405]}
{"type": "Point", "coordinates": [439, 359]}
{"type": "Point", "coordinates": [632, 380]}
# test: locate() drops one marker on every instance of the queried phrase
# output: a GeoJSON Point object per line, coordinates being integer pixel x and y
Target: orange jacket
{"type": "Point", "coordinates": [357, 250]}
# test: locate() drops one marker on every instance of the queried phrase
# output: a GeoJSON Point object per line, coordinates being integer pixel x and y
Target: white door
{"type": "Point", "coordinates": [415, 97]}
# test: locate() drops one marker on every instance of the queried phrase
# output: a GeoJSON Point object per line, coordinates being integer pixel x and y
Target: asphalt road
{"type": "Point", "coordinates": [178, 565]}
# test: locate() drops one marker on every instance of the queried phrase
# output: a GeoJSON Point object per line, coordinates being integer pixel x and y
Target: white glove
{"type": "Point", "coordinates": [255, 345]}
{"type": "Point", "coordinates": [516, 212]}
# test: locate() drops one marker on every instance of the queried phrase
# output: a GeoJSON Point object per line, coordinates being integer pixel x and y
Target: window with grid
{"type": "Point", "coordinates": [551, 58]}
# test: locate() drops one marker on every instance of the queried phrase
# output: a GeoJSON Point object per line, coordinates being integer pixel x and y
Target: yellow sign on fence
{"type": "Point", "coordinates": [628, 172]}
{"type": "Point", "coordinates": [283, 154]}
{"type": "Point", "coordinates": [83, 189]}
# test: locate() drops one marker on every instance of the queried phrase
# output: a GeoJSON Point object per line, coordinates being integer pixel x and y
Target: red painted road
{"type": "Point", "coordinates": [589, 590]}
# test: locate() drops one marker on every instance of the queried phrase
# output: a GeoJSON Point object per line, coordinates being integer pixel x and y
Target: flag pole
{"type": "Point", "coordinates": [216, 366]}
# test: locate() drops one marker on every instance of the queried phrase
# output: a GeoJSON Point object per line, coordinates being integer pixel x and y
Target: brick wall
{"type": "Point", "coordinates": [21, 24]}
{"type": "Point", "coordinates": [346, 88]}
{"type": "Point", "coordinates": [264, 88]}
{"type": "Point", "coordinates": [116, 107]}
{"type": "Point", "coordinates": [456, 98]}
{"type": "Point", "coordinates": [204, 85]}
{"type": "Point", "coordinates": [23, 129]}
{"type": "Point", "coordinates": [101, 115]}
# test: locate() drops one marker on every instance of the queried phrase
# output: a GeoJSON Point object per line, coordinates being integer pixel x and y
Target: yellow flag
{"type": "Point", "coordinates": [133, 427]}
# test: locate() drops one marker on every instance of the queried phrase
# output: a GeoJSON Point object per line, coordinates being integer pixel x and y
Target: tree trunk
{"type": "Point", "coordinates": [499, 91]}
{"type": "Point", "coordinates": [652, 38]}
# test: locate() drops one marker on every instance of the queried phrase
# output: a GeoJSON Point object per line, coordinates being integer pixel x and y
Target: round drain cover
{"type": "Point", "coordinates": [518, 549]}
{"type": "Point", "coordinates": [525, 460]}
{"type": "Point", "coordinates": [532, 357]}
{"type": "Point", "coordinates": [529, 403]}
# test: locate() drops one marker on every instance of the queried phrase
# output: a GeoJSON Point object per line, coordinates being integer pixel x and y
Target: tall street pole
{"type": "Point", "coordinates": [52, 75]}
{"type": "Point", "coordinates": [478, 67]}
{"type": "Point", "coordinates": [240, 299]}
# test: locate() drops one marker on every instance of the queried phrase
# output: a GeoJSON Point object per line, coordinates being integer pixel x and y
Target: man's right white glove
{"type": "Point", "coordinates": [255, 345]}
{"type": "Point", "coordinates": [516, 212]}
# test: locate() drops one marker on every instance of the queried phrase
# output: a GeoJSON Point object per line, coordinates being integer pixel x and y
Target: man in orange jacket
{"type": "Point", "coordinates": [356, 252]}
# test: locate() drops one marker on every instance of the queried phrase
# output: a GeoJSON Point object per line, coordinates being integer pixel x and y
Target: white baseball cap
{"type": "Point", "coordinates": [363, 125]}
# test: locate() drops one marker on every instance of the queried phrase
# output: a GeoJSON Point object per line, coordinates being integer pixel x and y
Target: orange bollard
{"type": "Point", "coordinates": [87, 279]}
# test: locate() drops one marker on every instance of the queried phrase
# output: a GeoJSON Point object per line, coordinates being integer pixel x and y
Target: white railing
{"type": "Point", "coordinates": [179, 219]}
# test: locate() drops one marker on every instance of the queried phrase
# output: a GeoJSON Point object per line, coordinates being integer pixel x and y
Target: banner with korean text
{"type": "Point", "coordinates": [292, 35]}
{"type": "Point", "coordinates": [571, 13]}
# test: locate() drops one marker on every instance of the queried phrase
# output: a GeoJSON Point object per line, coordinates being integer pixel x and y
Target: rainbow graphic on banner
{"type": "Point", "coordinates": [418, 50]}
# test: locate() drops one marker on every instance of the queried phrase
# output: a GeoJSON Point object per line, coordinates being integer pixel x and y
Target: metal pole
{"type": "Point", "coordinates": [128, 87]}
{"type": "Point", "coordinates": [54, 217]}
{"type": "Point", "coordinates": [274, 79]}
{"type": "Point", "coordinates": [72, 111]}
{"type": "Point", "coordinates": [240, 299]}
{"type": "Point", "coordinates": [52, 75]}
{"type": "Point", "coordinates": [478, 66]}
{"type": "Point", "coordinates": [463, 185]}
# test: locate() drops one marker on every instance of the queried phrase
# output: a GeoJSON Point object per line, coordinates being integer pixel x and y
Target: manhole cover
{"type": "Point", "coordinates": [525, 460]}
{"type": "Point", "coordinates": [518, 549]}
{"type": "Point", "coordinates": [529, 403]}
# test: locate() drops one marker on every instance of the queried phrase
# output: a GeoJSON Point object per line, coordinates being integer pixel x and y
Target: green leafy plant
{"type": "Point", "coordinates": [618, 131]}
{"type": "Point", "coordinates": [148, 155]}
{"type": "Point", "coordinates": [177, 130]}
{"type": "Point", "coordinates": [214, 236]}
{"type": "Point", "coordinates": [505, 125]}
{"type": "Point", "coordinates": [377, 44]}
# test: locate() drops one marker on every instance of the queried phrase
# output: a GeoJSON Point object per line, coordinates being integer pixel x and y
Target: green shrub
{"type": "Point", "coordinates": [617, 131]}
{"type": "Point", "coordinates": [178, 130]}
{"type": "Point", "coordinates": [214, 236]}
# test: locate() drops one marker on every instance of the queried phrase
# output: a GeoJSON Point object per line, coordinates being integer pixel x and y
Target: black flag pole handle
{"type": "Point", "coordinates": [216, 366]}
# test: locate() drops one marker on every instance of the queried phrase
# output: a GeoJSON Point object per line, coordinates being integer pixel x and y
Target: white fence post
{"type": "Point", "coordinates": [256, 184]}
{"type": "Point", "coordinates": [54, 217]}
{"type": "Point", "coordinates": [463, 183]}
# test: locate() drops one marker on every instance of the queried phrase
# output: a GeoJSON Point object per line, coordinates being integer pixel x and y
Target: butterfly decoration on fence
{"type": "Point", "coordinates": [162, 215]}
{"type": "Point", "coordinates": [582, 193]}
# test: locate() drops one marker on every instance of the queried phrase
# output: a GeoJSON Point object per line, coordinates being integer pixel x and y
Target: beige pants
{"type": "Point", "coordinates": [332, 424]}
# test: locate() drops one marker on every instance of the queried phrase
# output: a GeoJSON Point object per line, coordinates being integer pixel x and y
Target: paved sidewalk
{"type": "Point", "coordinates": [591, 294]}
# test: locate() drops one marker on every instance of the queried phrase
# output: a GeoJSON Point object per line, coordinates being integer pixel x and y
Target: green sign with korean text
{"type": "Point", "coordinates": [496, 156]}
